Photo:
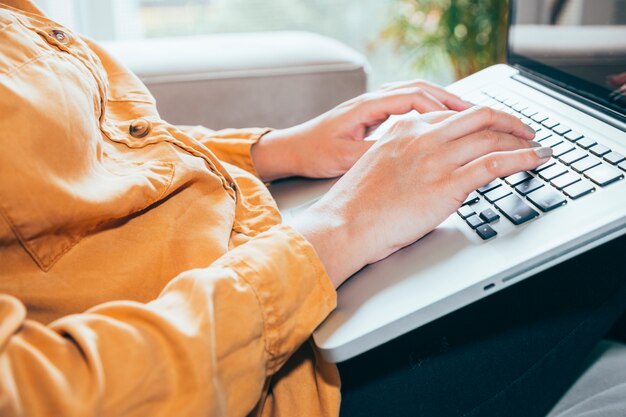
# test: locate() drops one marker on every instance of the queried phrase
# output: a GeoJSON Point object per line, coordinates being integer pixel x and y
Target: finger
{"type": "Point", "coordinates": [478, 119]}
{"type": "Point", "coordinates": [451, 101]}
{"type": "Point", "coordinates": [430, 118]}
{"type": "Point", "coordinates": [471, 147]}
{"type": "Point", "coordinates": [379, 107]}
{"type": "Point", "coordinates": [436, 116]}
{"type": "Point", "coordinates": [496, 165]}
{"type": "Point", "coordinates": [618, 79]}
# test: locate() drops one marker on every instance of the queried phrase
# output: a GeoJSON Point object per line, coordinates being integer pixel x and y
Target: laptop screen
{"type": "Point", "coordinates": [579, 45]}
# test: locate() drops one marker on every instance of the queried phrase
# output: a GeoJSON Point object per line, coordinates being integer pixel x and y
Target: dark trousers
{"type": "Point", "coordinates": [512, 354]}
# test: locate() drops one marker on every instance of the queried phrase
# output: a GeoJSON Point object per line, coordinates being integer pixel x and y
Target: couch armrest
{"type": "Point", "coordinates": [275, 79]}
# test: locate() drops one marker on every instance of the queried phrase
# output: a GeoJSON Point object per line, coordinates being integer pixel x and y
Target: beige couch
{"type": "Point", "coordinates": [275, 79]}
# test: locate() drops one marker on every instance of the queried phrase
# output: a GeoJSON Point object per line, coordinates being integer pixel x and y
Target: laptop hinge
{"type": "Point", "coordinates": [580, 103]}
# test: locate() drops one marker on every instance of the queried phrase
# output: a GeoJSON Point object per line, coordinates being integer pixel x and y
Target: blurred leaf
{"type": "Point", "coordinates": [471, 34]}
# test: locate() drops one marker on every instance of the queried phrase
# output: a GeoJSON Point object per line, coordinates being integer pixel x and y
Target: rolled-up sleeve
{"type": "Point", "coordinates": [232, 146]}
{"type": "Point", "coordinates": [205, 346]}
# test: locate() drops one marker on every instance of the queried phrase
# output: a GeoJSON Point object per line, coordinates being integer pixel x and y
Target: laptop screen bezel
{"type": "Point", "coordinates": [573, 86]}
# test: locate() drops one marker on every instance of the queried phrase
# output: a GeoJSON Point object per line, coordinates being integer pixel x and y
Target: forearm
{"type": "Point", "coordinates": [204, 347]}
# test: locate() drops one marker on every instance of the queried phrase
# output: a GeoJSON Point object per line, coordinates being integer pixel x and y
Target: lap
{"type": "Point", "coordinates": [513, 353]}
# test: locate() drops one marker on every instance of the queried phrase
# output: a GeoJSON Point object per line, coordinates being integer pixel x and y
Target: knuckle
{"type": "Point", "coordinates": [488, 114]}
{"type": "Point", "coordinates": [530, 158]}
{"type": "Point", "coordinates": [492, 166]}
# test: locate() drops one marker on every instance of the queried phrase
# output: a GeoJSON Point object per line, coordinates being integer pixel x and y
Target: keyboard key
{"type": "Point", "coordinates": [584, 164]}
{"type": "Point", "coordinates": [465, 212]}
{"type": "Point", "coordinates": [486, 188]}
{"type": "Point", "coordinates": [510, 102]}
{"type": "Point", "coordinates": [515, 209]}
{"type": "Point", "coordinates": [515, 179]}
{"type": "Point", "coordinates": [528, 112]}
{"type": "Point", "coordinates": [573, 136]}
{"type": "Point", "coordinates": [571, 157]}
{"type": "Point", "coordinates": [553, 172]}
{"type": "Point", "coordinates": [529, 186]}
{"type": "Point", "coordinates": [622, 166]}
{"type": "Point", "coordinates": [500, 97]}
{"type": "Point", "coordinates": [471, 199]}
{"type": "Point", "coordinates": [539, 117]}
{"type": "Point", "coordinates": [552, 141]}
{"type": "Point", "coordinates": [614, 158]}
{"type": "Point", "coordinates": [486, 232]}
{"type": "Point", "coordinates": [561, 129]}
{"type": "Point", "coordinates": [579, 189]}
{"type": "Point", "coordinates": [542, 136]}
{"type": "Point", "coordinates": [474, 221]}
{"type": "Point", "coordinates": [604, 174]}
{"type": "Point", "coordinates": [550, 123]}
{"type": "Point", "coordinates": [519, 107]}
{"type": "Point", "coordinates": [474, 97]}
{"type": "Point", "coordinates": [545, 165]}
{"type": "Point", "coordinates": [565, 180]}
{"type": "Point", "coordinates": [546, 199]}
{"type": "Point", "coordinates": [599, 150]}
{"type": "Point", "coordinates": [586, 143]}
{"type": "Point", "coordinates": [489, 215]}
{"type": "Point", "coordinates": [496, 194]}
{"type": "Point", "coordinates": [562, 149]}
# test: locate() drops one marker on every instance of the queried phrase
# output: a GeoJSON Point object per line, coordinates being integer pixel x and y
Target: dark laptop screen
{"type": "Point", "coordinates": [579, 45]}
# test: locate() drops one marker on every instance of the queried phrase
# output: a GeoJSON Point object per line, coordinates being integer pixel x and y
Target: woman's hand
{"type": "Point", "coordinates": [412, 179]}
{"type": "Point", "coordinates": [330, 144]}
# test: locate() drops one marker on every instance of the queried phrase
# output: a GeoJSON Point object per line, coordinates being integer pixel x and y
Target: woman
{"type": "Point", "coordinates": [144, 266]}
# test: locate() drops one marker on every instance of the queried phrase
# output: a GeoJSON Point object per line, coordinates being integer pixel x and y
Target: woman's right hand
{"type": "Point", "coordinates": [417, 174]}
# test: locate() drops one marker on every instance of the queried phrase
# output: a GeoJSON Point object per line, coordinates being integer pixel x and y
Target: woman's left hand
{"type": "Point", "coordinates": [330, 144]}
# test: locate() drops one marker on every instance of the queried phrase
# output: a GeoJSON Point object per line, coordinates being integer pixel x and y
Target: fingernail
{"type": "Point", "coordinates": [543, 152]}
{"type": "Point", "coordinates": [534, 144]}
{"type": "Point", "coordinates": [530, 129]}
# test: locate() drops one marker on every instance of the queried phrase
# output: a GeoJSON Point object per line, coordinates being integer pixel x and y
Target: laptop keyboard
{"type": "Point", "coordinates": [578, 167]}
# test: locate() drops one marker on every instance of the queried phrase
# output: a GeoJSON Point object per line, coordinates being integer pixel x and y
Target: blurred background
{"type": "Point", "coordinates": [357, 23]}
{"type": "Point", "coordinates": [441, 40]}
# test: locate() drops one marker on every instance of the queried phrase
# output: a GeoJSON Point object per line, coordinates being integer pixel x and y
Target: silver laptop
{"type": "Point", "coordinates": [563, 80]}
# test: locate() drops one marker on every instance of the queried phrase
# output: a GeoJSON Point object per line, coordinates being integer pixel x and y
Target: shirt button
{"type": "Point", "coordinates": [60, 36]}
{"type": "Point", "coordinates": [139, 128]}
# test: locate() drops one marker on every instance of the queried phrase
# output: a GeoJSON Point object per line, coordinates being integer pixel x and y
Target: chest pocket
{"type": "Point", "coordinates": [58, 182]}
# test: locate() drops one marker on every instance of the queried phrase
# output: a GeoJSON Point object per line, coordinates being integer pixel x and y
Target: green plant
{"type": "Point", "coordinates": [470, 34]}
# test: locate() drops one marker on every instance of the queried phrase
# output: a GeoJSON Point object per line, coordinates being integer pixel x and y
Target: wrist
{"type": "Point", "coordinates": [274, 156]}
{"type": "Point", "coordinates": [330, 234]}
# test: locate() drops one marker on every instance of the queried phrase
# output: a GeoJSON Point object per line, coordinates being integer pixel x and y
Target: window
{"type": "Point", "coordinates": [354, 22]}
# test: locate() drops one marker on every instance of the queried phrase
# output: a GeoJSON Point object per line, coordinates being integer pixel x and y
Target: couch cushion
{"type": "Point", "coordinates": [232, 80]}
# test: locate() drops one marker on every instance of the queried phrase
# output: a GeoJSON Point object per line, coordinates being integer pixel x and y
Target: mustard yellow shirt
{"type": "Point", "coordinates": [144, 270]}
